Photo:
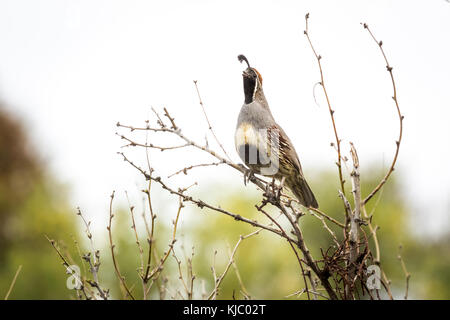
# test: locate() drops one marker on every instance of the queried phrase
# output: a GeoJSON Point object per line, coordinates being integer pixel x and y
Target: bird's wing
{"type": "Point", "coordinates": [283, 148]}
{"type": "Point", "coordinates": [290, 167]}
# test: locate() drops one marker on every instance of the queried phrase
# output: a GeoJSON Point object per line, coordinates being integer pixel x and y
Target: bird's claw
{"type": "Point", "coordinates": [248, 174]}
{"type": "Point", "coordinates": [274, 191]}
{"type": "Point", "coordinates": [281, 187]}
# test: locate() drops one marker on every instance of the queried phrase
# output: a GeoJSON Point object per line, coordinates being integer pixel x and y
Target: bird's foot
{"type": "Point", "coordinates": [248, 174]}
{"type": "Point", "coordinates": [273, 191]}
{"type": "Point", "coordinates": [280, 187]}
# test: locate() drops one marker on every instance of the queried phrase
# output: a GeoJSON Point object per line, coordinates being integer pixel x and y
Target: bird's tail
{"type": "Point", "coordinates": [302, 191]}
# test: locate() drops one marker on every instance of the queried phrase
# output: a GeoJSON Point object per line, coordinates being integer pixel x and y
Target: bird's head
{"type": "Point", "coordinates": [252, 80]}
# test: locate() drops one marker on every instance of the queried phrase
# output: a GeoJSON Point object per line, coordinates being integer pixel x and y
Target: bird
{"type": "Point", "coordinates": [263, 145]}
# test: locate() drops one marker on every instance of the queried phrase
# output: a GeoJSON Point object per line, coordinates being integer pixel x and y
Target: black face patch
{"type": "Point", "coordinates": [249, 87]}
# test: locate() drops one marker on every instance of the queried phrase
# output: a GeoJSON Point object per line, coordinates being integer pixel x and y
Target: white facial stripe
{"type": "Point", "coordinates": [256, 87]}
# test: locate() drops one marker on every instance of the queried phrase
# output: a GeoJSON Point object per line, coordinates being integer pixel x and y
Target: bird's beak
{"type": "Point", "coordinates": [245, 74]}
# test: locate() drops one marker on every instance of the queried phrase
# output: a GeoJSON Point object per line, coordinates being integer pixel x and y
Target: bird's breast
{"type": "Point", "coordinates": [252, 146]}
{"type": "Point", "coordinates": [246, 134]}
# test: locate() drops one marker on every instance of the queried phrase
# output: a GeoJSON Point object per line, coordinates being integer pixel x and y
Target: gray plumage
{"type": "Point", "coordinates": [263, 145]}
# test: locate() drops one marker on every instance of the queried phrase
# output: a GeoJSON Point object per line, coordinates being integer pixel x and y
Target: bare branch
{"type": "Point", "coordinates": [207, 120]}
{"type": "Point", "coordinates": [258, 182]}
{"type": "Point", "coordinates": [159, 267]}
{"type": "Point", "coordinates": [400, 117]}
{"type": "Point", "coordinates": [13, 282]}
{"type": "Point", "coordinates": [172, 120]}
{"type": "Point", "coordinates": [218, 281]}
{"type": "Point", "coordinates": [93, 284]}
{"type": "Point", "coordinates": [405, 271]}
{"type": "Point", "coordinates": [201, 204]}
{"type": "Point", "coordinates": [355, 216]}
{"type": "Point", "coordinates": [184, 170]}
{"type": "Point", "coordinates": [112, 246]}
{"type": "Point", "coordinates": [327, 217]}
{"type": "Point", "coordinates": [322, 82]}
{"type": "Point", "coordinates": [291, 243]}
{"type": "Point", "coordinates": [94, 253]}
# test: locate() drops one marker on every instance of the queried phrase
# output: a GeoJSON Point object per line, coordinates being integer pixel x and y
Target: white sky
{"type": "Point", "coordinates": [72, 69]}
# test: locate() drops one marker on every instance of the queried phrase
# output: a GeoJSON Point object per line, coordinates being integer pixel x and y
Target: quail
{"type": "Point", "coordinates": [263, 145]}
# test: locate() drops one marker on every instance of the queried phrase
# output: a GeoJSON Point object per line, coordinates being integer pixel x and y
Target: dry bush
{"type": "Point", "coordinates": [345, 270]}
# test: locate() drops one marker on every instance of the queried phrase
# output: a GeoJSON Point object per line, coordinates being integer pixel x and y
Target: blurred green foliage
{"type": "Point", "coordinates": [31, 204]}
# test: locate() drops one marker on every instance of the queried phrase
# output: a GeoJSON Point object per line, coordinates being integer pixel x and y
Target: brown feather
{"type": "Point", "coordinates": [289, 167]}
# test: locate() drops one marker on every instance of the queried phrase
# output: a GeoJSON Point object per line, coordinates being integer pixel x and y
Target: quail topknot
{"type": "Point", "coordinates": [263, 145]}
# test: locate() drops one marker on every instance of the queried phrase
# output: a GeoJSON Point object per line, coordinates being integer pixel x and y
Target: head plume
{"type": "Point", "coordinates": [241, 58]}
